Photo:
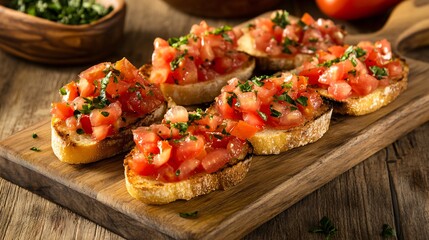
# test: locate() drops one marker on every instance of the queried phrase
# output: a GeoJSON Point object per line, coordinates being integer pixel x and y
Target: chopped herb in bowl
{"type": "Point", "coordinates": [71, 12]}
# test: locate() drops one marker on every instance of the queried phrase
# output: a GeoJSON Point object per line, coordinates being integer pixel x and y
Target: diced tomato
{"type": "Point", "coordinates": [266, 92]}
{"type": "Point", "coordinates": [61, 110]}
{"type": "Point", "coordinates": [107, 115]}
{"type": "Point", "coordinates": [340, 90]}
{"type": "Point", "coordinates": [119, 87]}
{"type": "Point", "coordinates": [337, 50]}
{"type": "Point", "coordinates": [363, 84]}
{"type": "Point", "coordinates": [235, 147]}
{"type": "Point", "coordinates": [215, 160]}
{"type": "Point", "coordinates": [187, 167]}
{"type": "Point", "coordinates": [209, 123]}
{"type": "Point", "coordinates": [313, 74]}
{"type": "Point", "coordinates": [71, 92]}
{"type": "Point", "coordinates": [248, 102]}
{"type": "Point", "coordinates": [164, 153]}
{"type": "Point", "coordinates": [244, 130]}
{"type": "Point", "coordinates": [101, 132]}
{"type": "Point", "coordinates": [185, 73]}
{"type": "Point", "coordinates": [190, 148]}
{"type": "Point", "coordinates": [254, 118]}
{"type": "Point", "coordinates": [307, 19]}
{"type": "Point", "coordinates": [176, 114]}
{"type": "Point", "coordinates": [127, 70]}
{"type": "Point", "coordinates": [85, 122]}
{"type": "Point", "coordinates": [86, 87]}
{"type": "Point", "coordinates": [141, 165]}
{"type": "Point", "coordinates": [146, 140]}
{"type": "Point", "coordinates": [94, 73]}
{"type": "Point", "coordinates": [394, 69]}
{"type": "Point", "coordinates": [224, 103]}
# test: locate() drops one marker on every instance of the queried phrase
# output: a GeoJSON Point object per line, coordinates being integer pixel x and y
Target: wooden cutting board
{"type": "Point", "coordinates": [97, 191]}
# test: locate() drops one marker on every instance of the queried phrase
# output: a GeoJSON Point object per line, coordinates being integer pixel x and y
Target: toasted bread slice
{"type": "Point", "coordinates": [274, 141]}
{"type": "Point", "coordinates": [381, 97]}
{"type": "Point", "coordinates": [264, 62]}
{"type": "Point", "coordinates": [151, 191]}
{"type": "Point", "coordinates": [74, 148]}
{"type": "Point", "coordinates": [200, 92]}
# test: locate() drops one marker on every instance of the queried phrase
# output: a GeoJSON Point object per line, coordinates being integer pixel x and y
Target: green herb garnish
{"type": "Point", "coordinates": [274, 113]}
{"type": "Point", "coordinates": [175, 63]}
{"type": "Point", "coordinates": [193, 138]}
{"type": "Point", "coordinates": [189, 214]}
{"type": "Point", "coordinates": [281, 19]}
{"type": "Point", "coordinates": [378, 72]}
{"type": "Point", "coordinates": [36, 149]}
{"type": "Point", "coordinates": [105, 114]}
{"type": "Point", "coordinates": [63, 91]}
{"type": "Point", "coordinates": [258, 80]}
{"type": "Point", "coordinates": [177, 42]}
{"type": "Point", "coordinates": [181, 126]}
{"type": "Point", "coordinates": [80, 131]}
{"type": "Point", "coordinates": [262, 115]}
{"type": "Point", "coordinates": [325, 227]}
{"type": "Point", "coordinates": [71, 12]}
{"type": "Point", "coordinates": [245, 87]}
{"type": "Point", "coordinates": [302, 100]}
{"type": "Point", "coordinates": [388, 231]}
{"type": "Point", "coordinates": [177, 172]}
{"type": "Point", "coordinates": [288, 42]}
{"type": "Point", "coordinates": [198, 115]}
{"type": "Point", "coordinates": [34, 135]}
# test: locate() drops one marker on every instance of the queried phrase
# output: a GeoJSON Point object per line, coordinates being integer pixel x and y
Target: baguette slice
{"type": "Point", "coordinates": [200, 92]}
{"type": "Point", "coordinates": [273, 141]}
{"type": "Point", "coordinates": [74, 148]}
{"type": "Point", "coordinates": [151, 191]}
{"type": "Point", "coordinates": [357, 106]}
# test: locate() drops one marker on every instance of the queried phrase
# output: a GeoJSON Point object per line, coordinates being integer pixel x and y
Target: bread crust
{"type": "Point", "coordinates": [151, 191]}
{"type": "Point", "coordinates": [201, 92]}
{"type": "Point", "coordinates": [274, 141]}
{"type": "Point", "coordinates": [357, 106]}
{"type": "Point", "coordinates": [72, 148]}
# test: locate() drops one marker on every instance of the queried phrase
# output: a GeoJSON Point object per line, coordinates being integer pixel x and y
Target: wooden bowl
{"type": "Point", "coordinates": [44, 41]}
{"type": "Point", "coordinates": [224, 8]}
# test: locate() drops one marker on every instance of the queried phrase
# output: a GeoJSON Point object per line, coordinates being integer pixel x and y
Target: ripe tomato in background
{"type": "Point", "coordinates": [353, 9]}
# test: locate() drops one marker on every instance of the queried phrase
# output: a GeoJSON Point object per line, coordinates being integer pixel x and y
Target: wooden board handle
{"type": "Point", "coordinates": [407, 27]}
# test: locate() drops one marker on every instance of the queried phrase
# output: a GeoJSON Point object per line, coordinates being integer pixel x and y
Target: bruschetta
{"type": "Point", "coordinates": [97, 112]}
{"type": "Point", "coordinates": [274, 113]}
{"type": "Point", "coordinates": [192, 69]}
{"type": "Point", "coordinates": [357, 79]}
{"type": "Point", "coordinates": [283, 42]}
{"type": "Point", "coordinates": [185, 156]}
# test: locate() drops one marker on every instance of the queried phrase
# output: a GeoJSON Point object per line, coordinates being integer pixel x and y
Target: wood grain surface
{"type": "Point", "coordinates": [389, 187]}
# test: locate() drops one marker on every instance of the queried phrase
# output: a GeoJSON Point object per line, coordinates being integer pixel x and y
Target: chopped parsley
{"type": "Point", "coordinates": [378, 72]}
{"type": "Point", "coordinates": [245, 87]}
{"type": "Point", "coordinates": [104, 113]}
{"type": "Point", "coordinates": [285, 97]}
{"type": "Point", "coordinates": [281, 19]}
{"type": "Point", "coordinates": [181, 126]}
{"type": "Point", "coordinates": [302, 100]}
{"type": "Point", "coordinates": [220, 137]}
{"type": "Point", "coordinates": [352, 72]}
{"type": "Point", "coordinates": [230, 99]}
{"type": "Point", "coordinates": [175, 63]}
{"type": "Point", "coordinates": [274, 113]}
{"type": "Point", "coordinates": [258, 80]}
{"type": "Point", "coordinates": [198, 115]}
{"type": "Point", "coordinates": [34, 135]}
{"type": "Point", "coordinates": [325, 227]}
{"type": "Point", "coordinates": [302, 24]}
{"type": "Point", "coordinates": [177, 172]}
{"type": "Point", "coordinates": [35, 149]}
{"type": "Point", "coordinates": [313, 40]}
{"type": "Point", "coordinates": [288, 42]}
{"type": "Point", "coordinates": [189, 214]}
{"type": "Point", "coordinates": [63, 91]}
{"type": "Point", "coordinates": [177, 42]}
{"type": "Point", "coordinates": [80, 131]}
{"type": "Point", "coordinates": [193, 138]}
{"type": "Point", "coordinates": [388, 231]}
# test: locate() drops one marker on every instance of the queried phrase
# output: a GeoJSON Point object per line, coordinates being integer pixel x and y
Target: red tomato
{"type": "Point", "coordinates": [340, 90]}
{"type": "Point", "coordinates": [107, 115]}
{"type": "Point", "coordinates": [141, 165]}
{"type": "Point", "coordinates": [349, 9]}
{"type": "Point", "coordinates": [363, 84]}
{"type": "Point", "coordinates": [244, 130]}
{"type": "Point", "coordinates": [190, 148]}
{"type": "Point", "coordinates": [101, 132]}
{"type": "Point", "coordinates": [85, 122]}
{"type": "Point", "coordinates": [254, 119]}
{"type": "Point", "coordinates": [71, 92]}
{"type": "Point", "coordinates": [224, 108]}
{"type": "Point", "coordinates": [127, 69]}
{"type": "Point", "coordinates": [209, 123]}
{"type": "Point", "coordinates": [176, 114]}
{"type": "Point", "coordinates": [61, 110]}
{"type": "Point", "coordinates": [146, 140]}
{"type": "Point", "coordinates": [394, 69]}
{"type": "Point", "coordinates": [166, 173]}
{"type": "Point", "coordinates": [187, 167]}
{"type": "Point", "coordinates": [307, 19]}
{"type": "Point", "coordinates": [337, 50]}
{"type": "Point", "coordinates": [235, 147]}
{"type": "Point", "coordinates": [95, 72]}
{"type": "Point", "coordinates": [248, 102]}
{"type": "Point", "coordinates": [215, 160]}
{"type": "Point", "coordinates": [86, 87]}
{"type": "Point", "coordinates": [313, 74]}
{"type": "Point", "coordinates": [164, 153]}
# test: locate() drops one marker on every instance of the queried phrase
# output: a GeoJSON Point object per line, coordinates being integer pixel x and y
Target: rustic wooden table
{"type": "Point", "coordinates": [390, 187]}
